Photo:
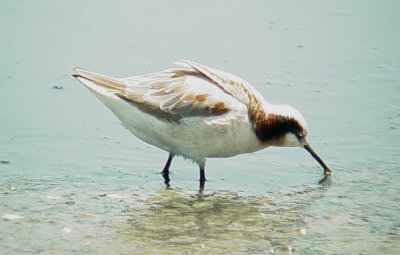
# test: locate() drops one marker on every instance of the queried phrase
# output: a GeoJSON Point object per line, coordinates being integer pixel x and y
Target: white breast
{"type": "Point", "coordinates": [195, 138]}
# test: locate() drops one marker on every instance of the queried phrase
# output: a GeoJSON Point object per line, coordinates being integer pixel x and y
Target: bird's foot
{"type": "Point", "coordinates": [165, 175]}
{"type": "Point", "coordinates": [327, 171]}
{"type": "Point", "coordinates": [327, 177]}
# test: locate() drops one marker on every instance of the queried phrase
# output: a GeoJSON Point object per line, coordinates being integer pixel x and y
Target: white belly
{"type": "Point", "coordinates": [195, 138]}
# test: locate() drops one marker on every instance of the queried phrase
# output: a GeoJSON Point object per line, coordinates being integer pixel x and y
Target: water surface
{"type": "Point", "coordinates": [74, 181]}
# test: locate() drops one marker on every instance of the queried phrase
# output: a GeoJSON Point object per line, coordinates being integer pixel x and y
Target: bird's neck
{"type": "Point", "coordinates": [270, 124]}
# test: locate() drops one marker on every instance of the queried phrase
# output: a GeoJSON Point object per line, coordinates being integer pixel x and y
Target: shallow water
{"type": "Point", "coordinates": [73, 180]}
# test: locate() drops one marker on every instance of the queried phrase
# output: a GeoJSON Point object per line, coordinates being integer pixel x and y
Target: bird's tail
{"type": "Point", "coordinates": [91, 80]}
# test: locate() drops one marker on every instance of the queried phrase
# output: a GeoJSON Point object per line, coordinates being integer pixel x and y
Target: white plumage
{"type": "Point", "coordinates": [197, 112]}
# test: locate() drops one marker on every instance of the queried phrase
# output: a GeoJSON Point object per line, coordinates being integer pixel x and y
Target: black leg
{"type": "Point", "coordinates": [202, 176]}
{"type": "Point", "coordinates": [165, 171]}
{"type": "Point", "coordinates": [201, 187]}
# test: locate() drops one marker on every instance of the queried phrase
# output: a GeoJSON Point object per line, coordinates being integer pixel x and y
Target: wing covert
{"type": "Point", "coordinates": [172, 95]}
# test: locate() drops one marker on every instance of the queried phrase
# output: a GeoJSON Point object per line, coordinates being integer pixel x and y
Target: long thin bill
{"type": "Point", "coordinates": [327, 171]}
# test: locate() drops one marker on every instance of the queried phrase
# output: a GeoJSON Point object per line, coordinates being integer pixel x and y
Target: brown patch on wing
{"type": "Point", "coordinates": [189, 97]}
{"type": "Point", "coordinates": [152, 109]}
{"type": "Point", "coordinates": [234, 83]}
{"type": "Point", "coordinates": [201, 97]}
{"type": "Point", "coordinates": [182, 72]}
{"type": "Point", "coordinates": [219, 108]}
{"type": "Point", "coordinates": [195, 108]}
{"type": "Point", "coordinates": [198, 97]}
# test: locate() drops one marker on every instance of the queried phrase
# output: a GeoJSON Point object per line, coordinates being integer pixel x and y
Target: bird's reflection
{"type": "Point", "coordinates": [221, 221]}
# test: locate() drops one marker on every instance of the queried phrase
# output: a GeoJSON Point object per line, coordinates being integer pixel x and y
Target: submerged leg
{"type": "Point", "coordinates": [165, 171]}
{"type": "Point", "coordinates": [202, 176]}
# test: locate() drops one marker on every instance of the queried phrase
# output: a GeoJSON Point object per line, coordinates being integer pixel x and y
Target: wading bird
{"type": "Point", "coordinates": [198, 112]}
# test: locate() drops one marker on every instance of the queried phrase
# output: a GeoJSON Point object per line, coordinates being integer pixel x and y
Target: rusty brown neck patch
{"type": "Point", "coordinates": [271, 127]}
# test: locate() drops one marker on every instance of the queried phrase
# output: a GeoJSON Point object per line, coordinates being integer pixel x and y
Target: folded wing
{"type": "Point", "coordinates": [174, 94]}
{"type": "Point", "coordinates": [169, 95]}
{"type": "Point", "coordinates": [231, 84]}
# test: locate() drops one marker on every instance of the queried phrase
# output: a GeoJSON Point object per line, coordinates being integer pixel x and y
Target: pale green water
{"type": "Point", "coordinates": [85, 185]}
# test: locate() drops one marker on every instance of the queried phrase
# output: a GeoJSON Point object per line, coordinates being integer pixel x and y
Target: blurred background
{"type": "Point", "coordinates": [73, 180]}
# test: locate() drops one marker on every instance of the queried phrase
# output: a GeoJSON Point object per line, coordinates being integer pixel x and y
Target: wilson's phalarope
{"type": "Point", "coordinates": [198, 112]}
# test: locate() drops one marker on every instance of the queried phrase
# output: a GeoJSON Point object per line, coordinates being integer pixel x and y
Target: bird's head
{"type": "Point", "coordinates": [284, 126]}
